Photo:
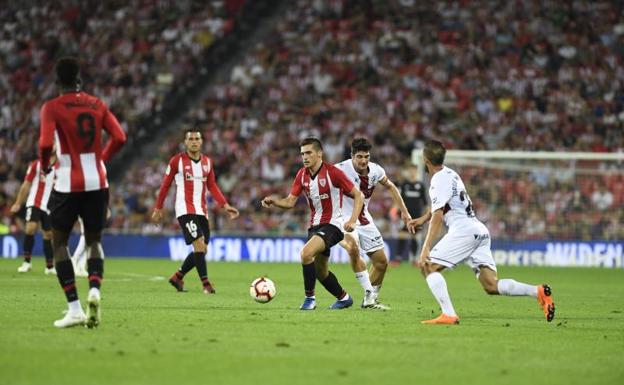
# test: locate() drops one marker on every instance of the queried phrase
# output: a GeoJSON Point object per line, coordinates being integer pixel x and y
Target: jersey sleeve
{"type": "Point", "coordinates": [172, 169]}
{"type": "Point", "coordinates": [213, 187]}
{"type": "Point", "coordinates": [46, 135]}
{"type": "Point", "coordinates": [31, 172]}
{"type": "Point", "coordinates": [381, 173]}
{"type": "Point", "coordinates": [440, 193]}
{"type": "Point", "coordinates": [117, 136]}
{"type": "Point", "coordinates": [297, 187]}
{"type": "Point", "coordinates": [340, 180]}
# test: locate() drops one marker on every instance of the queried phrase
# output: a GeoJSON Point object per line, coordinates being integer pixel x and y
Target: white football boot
{"type": "Point", "coordinates": [370, 301]}
{"type": "Point", "coordinates": [50, 271]}
{"type": "Point", "coordinates": [71, 319]}
{"type": "Point", "coordinates": [24, 267]}
{"type": "Point", "coordinates": [93, 308]}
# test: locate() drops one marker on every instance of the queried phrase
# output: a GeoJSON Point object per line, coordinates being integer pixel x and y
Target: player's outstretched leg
{"type": "Point", "coordinates": [331, 284]}
{"type": "Point", "coordinates": [510, 287]}
{"type": "Point", "coordinates": [177, 279]}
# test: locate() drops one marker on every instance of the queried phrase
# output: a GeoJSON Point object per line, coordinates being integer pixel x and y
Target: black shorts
{"type": "Point", "coordinates": [194, 227]}
{"type": "Point", "coordinates": [330, 234]}
{"type": "Point", "coordinates": [91, 206]}
{"type": "Point", "coordinates": [35, 214]}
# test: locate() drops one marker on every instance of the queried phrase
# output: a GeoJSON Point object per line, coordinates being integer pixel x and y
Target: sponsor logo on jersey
{"type": "Point", "coordinates": [323, 196]}
{"type": "Point", "coordinates": [189, 176]}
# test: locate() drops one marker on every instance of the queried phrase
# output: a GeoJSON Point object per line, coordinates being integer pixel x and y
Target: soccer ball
{"type": "Point", "coordinates": [262, 290]}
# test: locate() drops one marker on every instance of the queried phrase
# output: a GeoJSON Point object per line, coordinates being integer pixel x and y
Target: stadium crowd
{"type": "Point", "coordinates": [134, 54]}
{"type": "Point", "coordinates": [478, 75]}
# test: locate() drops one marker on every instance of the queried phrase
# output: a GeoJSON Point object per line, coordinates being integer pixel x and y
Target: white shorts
{"type": "Point", "coordinates": [472, 244]}
{"type": "Point", "coordinates": [367, 237]}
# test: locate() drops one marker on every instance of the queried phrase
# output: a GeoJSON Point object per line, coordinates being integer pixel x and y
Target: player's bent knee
{"type": "Point", "coordinates": [491, 289]}
{"type": "Point", "coordinates": [306, 256]}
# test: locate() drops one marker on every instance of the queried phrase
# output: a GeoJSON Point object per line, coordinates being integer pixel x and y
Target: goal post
{"type": "Point", "coordinates": [546, 208]}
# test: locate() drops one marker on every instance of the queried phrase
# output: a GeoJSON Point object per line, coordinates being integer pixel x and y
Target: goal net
{"type": "Point", "coordinates": [546, 208]}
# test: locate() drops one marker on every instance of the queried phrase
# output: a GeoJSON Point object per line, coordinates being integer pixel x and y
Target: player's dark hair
{"type": "Point", "coordinates": [68, 72]}
{"type": "Point", "coordinates": [360, 144]}
{"type": "Point", "coordinates": [312, 140]}
{"type": "Point", "coordinates": [435, 152]}
{"type": "Point", "coordinates": [193, 129]}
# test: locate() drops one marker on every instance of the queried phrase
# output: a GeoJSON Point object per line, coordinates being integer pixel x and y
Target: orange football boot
{"type": "Point", "coordinates": [442, 319]}
{"type": "Point", "coordinates": [544, 298]}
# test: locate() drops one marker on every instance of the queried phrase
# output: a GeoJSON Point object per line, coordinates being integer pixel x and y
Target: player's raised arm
{"type": "Point", "coordinates": [397, 199]}
{"type": "Point", "coordinates": [283, 203]}
{"type": "Point", "coordinates": [117, 136]}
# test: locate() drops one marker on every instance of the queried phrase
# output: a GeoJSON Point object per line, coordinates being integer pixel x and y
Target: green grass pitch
{"type": "Point", "coordinates": [151, 334]}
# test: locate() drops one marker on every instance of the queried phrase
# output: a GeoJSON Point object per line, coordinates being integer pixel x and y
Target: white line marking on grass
{"type": "Point", "coordinates": [149, 277]}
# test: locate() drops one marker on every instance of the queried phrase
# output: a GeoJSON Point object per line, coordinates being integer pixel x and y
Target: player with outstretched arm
{"type": "Point", "coordinates": [467, 239]}
{"type": "Point", "coordinates": [324, 186]}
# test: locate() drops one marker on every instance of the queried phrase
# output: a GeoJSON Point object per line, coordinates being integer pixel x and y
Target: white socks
{"type": "Point", "coordinates": [512, 287]}
{"type": "Point", "coordinates": [437, 285]}
{"type": "Point", "coordinates": [376, 289]}
{"type": "Point", "coordinates": [364, 280]}
{"type": "Point", "coordinates": [74, 307]}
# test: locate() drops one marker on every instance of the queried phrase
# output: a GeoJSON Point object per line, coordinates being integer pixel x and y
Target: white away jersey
{"type": "Point", "coordinates": [366, 184]}
{"type": "Point", "coordinates": [447, 191]}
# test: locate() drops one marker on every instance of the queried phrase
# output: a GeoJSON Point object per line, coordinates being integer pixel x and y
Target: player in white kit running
{"type": "Point", "coordinates": [366, 237]}
{"type": "Point", "coordinates": [467, 240]}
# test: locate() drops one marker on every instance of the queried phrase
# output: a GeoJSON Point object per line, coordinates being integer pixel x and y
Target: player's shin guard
{"type": "Point", "coordinates": [331, 285]}
{"type": "Point", "coordinates": [95, 268]}
{"type": "Point", "coordinates": [65, 274]}
{"type": "Point", "coordinates": [47, 252]}
{"type": "Point", "coordinates": [29, 242]}
{"type": "Point", "coordinates": [309, 279]}
{"type": "Point", "coordinates": [187, 265]}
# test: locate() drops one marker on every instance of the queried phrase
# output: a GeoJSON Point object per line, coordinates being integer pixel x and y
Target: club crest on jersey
{"type": "Point", "coordinates": [322, 182]}
{"type": "Point", "coordinates": [205, 168]}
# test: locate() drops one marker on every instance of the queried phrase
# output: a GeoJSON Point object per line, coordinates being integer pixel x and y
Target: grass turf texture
{"type": "Point", "coordinates": [151, 334]}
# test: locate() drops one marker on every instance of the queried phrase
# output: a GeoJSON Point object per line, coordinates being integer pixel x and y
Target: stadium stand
{"type": "Point", "coordinates": [478, 75]}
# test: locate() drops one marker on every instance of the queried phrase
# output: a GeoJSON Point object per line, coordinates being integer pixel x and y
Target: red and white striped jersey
{"type": "Point", "coordinates": [74, 122]}
{"type": "Point", "coordinates": [323, 192]}
{"type": "Point", "coordinates": [366, 183]}
{"type": "Point", "coordinates": [41, 186]}
{"type": "Point", "coordinates": [194, 178]}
